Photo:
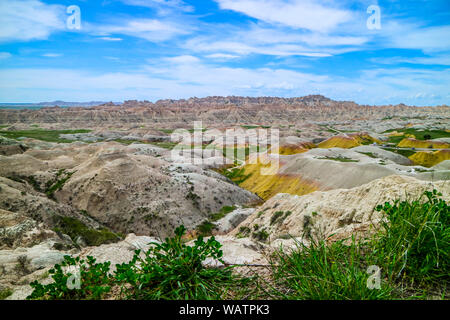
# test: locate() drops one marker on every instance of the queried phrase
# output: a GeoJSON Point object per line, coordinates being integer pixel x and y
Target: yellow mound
{"type": "Point", "coordinates": [267, 186]}
{"type": "Point", "coordinates": [429, 159]}
{"type": "Point", "coordinates": [348, 141]}
{"type": "Point", "coordinates": [289, 149]}
{"type": "Point", "coordinates": [414, 143]}
{"type": "Point", "coordinates": [396, 134]}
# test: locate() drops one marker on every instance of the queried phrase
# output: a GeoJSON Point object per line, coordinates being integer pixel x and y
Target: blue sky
{"type": "Point", "coordinates": [157, 49]}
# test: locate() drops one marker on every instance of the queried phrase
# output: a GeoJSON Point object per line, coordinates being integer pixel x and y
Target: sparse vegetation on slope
{"type": "Point", "coordinates": [411, 250]}
{"type": "Point", "coordinates": [75, 229]}
{"type": "Point", "coordinates": [418, 134]}
{"type": "Point", "coordinates": [41, 134]}
{"type": "Point", "coordinates": [340, 159]}
{"type": "Point", "coordinates": [406, 258]}
{"type": "Point", "coordinates": [171, 270]}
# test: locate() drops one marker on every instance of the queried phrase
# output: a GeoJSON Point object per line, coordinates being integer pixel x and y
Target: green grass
{"type": "Point", "coordinates": [167, 131]}
{"type": "Point", "coordinates": [420, 135]}
{"type": "Point", "coordinates": [325, 272]}
{"type": "Point", "coordinates": [222, 213]}
{"type": "Point", "coordinates": [41, 134]}
{"type": "Point", "coordinates": [411, 249]}
{"type": "Point", "coordinates": [237, 175]}
{"type": "Point", "coordinates": [165, 145]}
{"type": "Point", "coordinates": [261, 235]}
{"type": "Point", "coordinates": [241, 154]}
{"type": "Point", "coordinates": [279, 216]}
{"type": "Point", "coordinates": [5, 293]}
{"type": "Point", "coordinates": [340, 159]}
{"type": "Point", "coordinates": [414, 241]}
{"type": "Point", "coordinates": [75, 228]}
{"type": "Point", "coordinates": [205, 228]}
{"type": "Point", "coordinates": [250, 127]}
{"type": "Point", "coordinates": [369, 154]}
{"type": "Point", "coordinates": [58, 183]}
{"type": "Point", "coordinates": [404, 152]}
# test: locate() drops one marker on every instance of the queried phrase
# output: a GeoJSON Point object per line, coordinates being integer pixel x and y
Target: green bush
{"type": "Point", "coordinates": [173, 270]}
{"type": "Point", "coordinates": [5, 293]}
{"type": "Point", "coordinates": [75, 228]}
{"type": "Point", "coordinates": [205, 228]}
{"type": "Point", "coordinates": [414, 240]}
{"type": "Point", "coordinates": [93, 280]}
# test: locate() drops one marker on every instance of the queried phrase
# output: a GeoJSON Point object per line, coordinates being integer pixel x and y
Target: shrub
{"type": "Point", "coordinates": [260, 235]}
{"type": "Point", "coordinates": [75, 228]}
{"type": "Point", "coordinates": [276, 216]}
{"type": "Point", "coordinates": [205, 228]}
{"type": "Point", "coordinates": [414, 239]}
{"type": "Point", "coordinates": [173, 270]}
{"type": "Point", "coordinates": [93, 280]}
{"type": "Point", "coordinates": [5, 293]}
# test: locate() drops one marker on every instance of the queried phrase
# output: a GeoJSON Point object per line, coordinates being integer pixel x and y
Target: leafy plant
{"type": "Point", "coordinates": [174, 270]}
{"type": "Point", "coordinates": [414, 240]}
{"type": "Point", "coordinates": [90, 281]}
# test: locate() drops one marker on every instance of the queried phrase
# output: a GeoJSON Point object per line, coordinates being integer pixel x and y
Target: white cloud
{"type": "Point", "coordinates": [221, 56]}
{"type": "Point", "coordinates": [427, 39]}
{"type": "Point", "coordinates": [29, 19]}
{"type": "Point", "coordinates": [5, 55]}
{"type": "Point", "coordinates": [187, 76]}
{"type": "Point", "coordinates": [161, 4]}
{"type": "Point", "coordinates": [234, 46]}
{"type": "Point", "coordinates": [182, 59]}
{"type": "Point", "coordinates": [111, 39]}
{"type": "Point", "coordinates": [52, 55]}
{"type": "Point", "coordinates": [428, 60]}
{"type": "Point", "coordinates": [307, 14]}
{"type": "Point", "coordinates": [276, 41]}
{"type": "Point", "coordinates": [149, 29]}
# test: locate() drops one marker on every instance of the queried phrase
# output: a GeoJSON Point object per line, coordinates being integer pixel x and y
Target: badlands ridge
{"type": "Point", "coordinates": [106, 180]}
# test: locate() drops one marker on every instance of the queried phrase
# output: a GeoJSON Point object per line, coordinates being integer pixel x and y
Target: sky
{"type": "Point", "coordinates": [367, 51]}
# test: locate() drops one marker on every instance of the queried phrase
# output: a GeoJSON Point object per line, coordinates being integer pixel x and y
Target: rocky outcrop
{"type": "Point", "coordinates": [338, 213]}
{"type": "Point", "coordinates": [216, 109]}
